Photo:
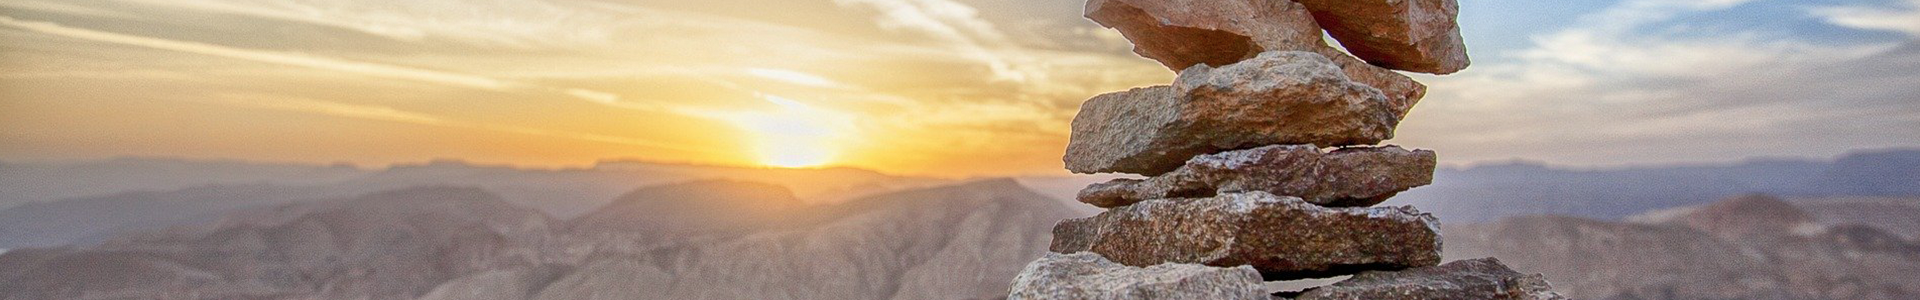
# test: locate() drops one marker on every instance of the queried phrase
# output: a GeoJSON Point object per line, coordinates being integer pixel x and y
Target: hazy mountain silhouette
{"type": "Point", "coordinates": [389, 245]}
{"type": "Point", "coordinates": [38, 182]}
{"type": "Point", "coordinates": [92, 219]}
{"type": "Point", "coordinates": [697, 240]}
{"type": "Point", "coordinates": [559, 192]}
{"type": "Point", "coordinates": [1487, 193]}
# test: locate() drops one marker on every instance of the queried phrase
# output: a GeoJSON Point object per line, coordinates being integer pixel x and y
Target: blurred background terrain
{"type": "Point", "coordinates": [1843, 228]}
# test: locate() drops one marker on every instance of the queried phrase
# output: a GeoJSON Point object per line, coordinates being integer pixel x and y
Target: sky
{"type": "Point", "coordinates": [923, 87]}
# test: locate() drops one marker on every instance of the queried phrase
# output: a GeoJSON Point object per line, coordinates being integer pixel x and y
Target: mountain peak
{"type": "Point", "coordinates": [713, 190]}
{"type": "Point", "coordinates": [1747, 215]}
{"type": "Point", "coordinates": [696, 207]}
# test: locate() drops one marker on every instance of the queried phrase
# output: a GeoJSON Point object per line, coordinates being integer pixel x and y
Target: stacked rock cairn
{"type": "Point", "coordinates": [1261, 159]}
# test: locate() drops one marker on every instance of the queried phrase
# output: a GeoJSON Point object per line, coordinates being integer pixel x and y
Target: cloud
{"type": "Point", "coordinates": [389, 114]}
{"type": "Point", "coordinates": [65, 8]}
{"type": "Point", "coordinates": [959, 26]}
{"type": "Point", "coordinates": [1903, 17]}
{"type": "Point", "coordinates": [510, 23]}
{"type": "Point", "coordinates": [1623, 86]}
{"type": "Point", "coordinates": [797, 77]}
{"type": "Point", "coordinates": [315, 62]}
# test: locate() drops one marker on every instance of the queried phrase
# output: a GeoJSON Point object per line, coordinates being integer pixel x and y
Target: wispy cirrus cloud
{"type": "Point", "coordinates": [389, 114]}
{"type": "Point", "coordinates": [1901, 16]}
{"type": "Point", "coordinates": [508, 23]}
{"type": "Point", "coordinates": [315, 62]}
{"type": "Point", "coordinates": [932, 86]}
{"type": "Point", "coordinates": [959, 26]}
{"type": "Point", "coordinates": [1628, 84]}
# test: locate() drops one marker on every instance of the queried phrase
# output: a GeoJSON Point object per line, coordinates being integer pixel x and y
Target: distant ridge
{"type": "Point", "coordinates": [704, 239]}
{"type": "Point", "coordinates": [131, 195]}
{"type": "Point", "coordinates": [1744, 247]}
{"type": "Point", "coordinates": [1487, 193]}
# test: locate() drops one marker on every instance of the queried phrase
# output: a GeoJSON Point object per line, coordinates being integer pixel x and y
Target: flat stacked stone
{"type": "Point", "coordinates": [1283, 237]}
{"type": "Point", "coordinates": [1484, 278]}
{"type": "Point", "coordinates": [1356, 176]}
{"type": "Point", "coordinates": [1236, 153]}
{"type": "Point", "coordinates": [1284, 97]}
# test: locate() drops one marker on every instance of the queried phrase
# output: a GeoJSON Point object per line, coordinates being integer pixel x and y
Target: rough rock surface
{"type": "Point", "coordinates": [1278, 98]}
{"type": "Point", "coordinates": [1086, 275]}
{"type": "Point", "coordinates": [1182, 34]}
{"type": "Point", "coordinates": [1483, 278]}
{"type": "Point", "coordinates": [1358, 176]}
{"type": "Point", "coordinates": [1411, 35]}
{"type": "Point", "coordinates": [1283, 237]}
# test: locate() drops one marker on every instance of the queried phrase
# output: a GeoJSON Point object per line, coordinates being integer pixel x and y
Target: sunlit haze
{"type": "Point", "coordinates": [927, 87]}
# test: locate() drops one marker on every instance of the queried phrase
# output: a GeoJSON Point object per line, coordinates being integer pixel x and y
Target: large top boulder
{"type": "Point", "coordinates": [1411, 35]}
{"type": "Point", "coordinates": [1183, 34]}
{"type": "Point", "coordinates": [1277, 98]}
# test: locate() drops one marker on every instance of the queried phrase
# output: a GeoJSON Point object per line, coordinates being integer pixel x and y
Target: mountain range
{"type": "Point", "coordinates": [1491, 192]}
{"type": "Point", "coordinates": [696, 240]}
{"type": "Point", "coordinates": [1744, 247]}
{"type": "Point", "coordinates": [135, 193]}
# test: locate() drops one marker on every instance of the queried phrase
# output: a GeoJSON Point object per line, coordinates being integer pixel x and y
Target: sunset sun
{"type": "Point", "coordinates": [794, 136]}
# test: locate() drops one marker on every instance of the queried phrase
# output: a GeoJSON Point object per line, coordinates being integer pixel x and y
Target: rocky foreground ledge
{"type": "Point", "coordinates": [1086, 275]}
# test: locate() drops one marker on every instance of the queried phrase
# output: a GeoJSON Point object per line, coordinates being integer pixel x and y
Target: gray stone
{"type": "Point", "coordinates": [1283, 237]}
{"type": "Point", "coordinates": [1484, 278]}
{"type": "Point", "coordinates": [1277, 98]}
{"type": "Point", "coordinates": [1357, 176]}
{"type": "Point", "coordinates": [1089, 276]}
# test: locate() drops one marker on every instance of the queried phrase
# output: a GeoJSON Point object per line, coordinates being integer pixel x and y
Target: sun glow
{"type": "Point", "coordinates": [795, 136]}
{"type": "Point", "coordinates": [795, 77]}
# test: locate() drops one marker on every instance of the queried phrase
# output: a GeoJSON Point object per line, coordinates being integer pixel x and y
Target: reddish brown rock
{"type": "Point", "coordinates": [1412, 35]}
{"type": "Point", "coordinates": [1358, 176]}
{"type": "Point", "coordinates": [1484, 278]}
{"type": "Point", "coordinates": [1277, 98]}
{"type": "Point", "coordinates": [1282, 237]}
{"type": "Point", "coordinates": [1182, 34]}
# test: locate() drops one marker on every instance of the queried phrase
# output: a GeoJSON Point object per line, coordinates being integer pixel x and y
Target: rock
{"type": "Point", "coordinates": [1277, 98]}
{"type": "Point", "coordinates": [1087, 275]}
{"type": "Point", "coordinates": [1412, 35]}
{"type": "Point", "coordinates": [1482, 278]}
{"type": "Point", "coordinates": [1283, 237]}
{"type": "Point", "coordinates": [1359, 176]}
{"type": "Point", "coordinates": [1183, 34]}
{"type": "Point", "coordinates": [1402, 92]}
